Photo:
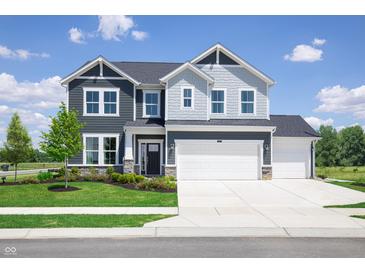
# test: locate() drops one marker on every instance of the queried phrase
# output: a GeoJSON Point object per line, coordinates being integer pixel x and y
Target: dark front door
{"type": "Point", "coordinates": [153, 159]}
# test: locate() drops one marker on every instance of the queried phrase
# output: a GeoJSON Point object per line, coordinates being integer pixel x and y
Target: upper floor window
{"type": "Point", "coordinates": [92, 102]}
{"type": "Point", "coordinates": [151, 103]}
{"type": "Point", "coordinates": [247, 101]}
{"type": "Point", "coordinates": [110, 102]}
{"type": "Point", "coordinates": [217, 99]}
{"type": "Point", "coordinates": [187, 97]}
{"type": "Point", "coordinates": [101, 102]}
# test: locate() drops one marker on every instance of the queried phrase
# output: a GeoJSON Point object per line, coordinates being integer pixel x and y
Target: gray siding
{"type": "Point", "coordinates": [173, 135]}
{"type": "Point", "coordinates": [94, 71]}
{"type": "Point", "coordinates": [148, 137]}
{"type": "Point", "coordinates": [210, 59]}
{"type": "Point", "coordinates": [233, 79]}
{"type": "Point", "coordinates": [100, 124]}
{"type": "Point", "coordinates": [108, 72]}
{"type": "Point", "coordinates": [225, 60]}
{"type": "Point", "coordinates": [187, 78]}
{"type": "Point", "coordinates": [139, 104]}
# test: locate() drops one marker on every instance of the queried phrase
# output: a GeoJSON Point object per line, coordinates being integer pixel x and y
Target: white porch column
{"type": "Point", "coordinates": [128, 145]}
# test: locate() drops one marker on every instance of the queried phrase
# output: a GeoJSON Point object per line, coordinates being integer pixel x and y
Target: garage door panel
{"type": "Point", "coordinates": [291, 158]}
{"type": "Point", "coordinates": [217, 161]}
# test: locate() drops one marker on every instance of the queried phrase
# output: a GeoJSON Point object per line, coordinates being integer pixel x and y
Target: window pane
{"type": "Point", "coordinates": [247, 96]}
{"type": "Point", "coordinates": [187, 103]}
{"type": "Point", "coordinates": [110, 143]}
{"type": "Point", "coordinates": [109, 158]}
{"type": "Point", "coordinates": [187, 93]}
{"type": "Point", "coordinates": [151, 110]}
{"type": "Point", "coordinates": [151, 98]}
{"type": "Point", "coordinates": [218, 95]}
{"type": "Point", "coordinates": [92, 143]}
{"type": "Point", "coordinates": [247, 107]}
{"type": "Point", "coordinates": [217, 108]}
{"type": "Point", "coordinates": [110, 108]}
{"type": "Point", "coordinates": [110, 96]}
{"type": "Point", "coordinates": [92, 96]}
{"type": "Point", "coordinates": [92, 157]}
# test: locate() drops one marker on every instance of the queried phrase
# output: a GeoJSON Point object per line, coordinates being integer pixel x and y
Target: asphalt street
{"type": "Point", "coordinates": [185, 248]}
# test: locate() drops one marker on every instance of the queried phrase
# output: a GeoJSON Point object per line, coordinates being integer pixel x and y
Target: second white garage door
{"type": "Point", "coordinates": [291, 158]}
{"type": "Point", "coordinates": [212, 160]}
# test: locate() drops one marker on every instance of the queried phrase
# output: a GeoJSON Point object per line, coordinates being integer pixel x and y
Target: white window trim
{"type": "Point", "coordinates": [192, 97]}
{"type": "Point", "coordinates": [101, 148]}
{"type": "Point", "coordinates": [224, 102]}
{"type": "Point", "coordinates": [101, 101]}
{"type": "Point", "coordinates": [240, 102]}
{"type": "Point", "coordinates": [149, 141]}
{"type": "Point", "coordinates": [158, 92]}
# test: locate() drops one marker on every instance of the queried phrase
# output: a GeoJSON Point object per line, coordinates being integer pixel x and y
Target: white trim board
{"type": "Point", "coordinates": [97, 61]}
{"type": "Point", "coordinates": [236, 58]}
{"type": "Point", "coordinates": [187, 65]}
{"type": "Point", "coordinates": [219, 128]}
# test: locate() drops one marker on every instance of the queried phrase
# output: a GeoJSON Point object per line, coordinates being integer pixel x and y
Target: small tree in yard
{"type": "Point", "coordinates": [64, 137]}
{"type": "Point", "coordinates": [18, 145]}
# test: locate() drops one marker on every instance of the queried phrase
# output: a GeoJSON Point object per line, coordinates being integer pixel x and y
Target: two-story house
{"type": "Point", "coordinates": [205, 119]}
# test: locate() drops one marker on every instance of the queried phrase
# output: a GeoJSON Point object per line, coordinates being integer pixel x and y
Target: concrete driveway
{"type": "Point", "coordinates": [290, 203]}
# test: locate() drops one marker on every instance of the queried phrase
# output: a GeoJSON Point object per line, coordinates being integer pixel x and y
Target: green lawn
{"type": "Point", "coordinates": [70, 220]}
{"type": "Point", "coordinates": [91, 194]}
{"type": "Point", "coordinates": [26, 166]}
{"type": "Point", "coordinates": [355, 186]}
{"type": "Point", "coordinates": [342, 173]}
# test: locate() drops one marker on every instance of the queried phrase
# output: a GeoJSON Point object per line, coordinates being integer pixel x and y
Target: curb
{"type": "Point", "coordinates": [57, 233]}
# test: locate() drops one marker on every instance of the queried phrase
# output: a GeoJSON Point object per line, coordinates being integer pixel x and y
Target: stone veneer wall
{"type": "Point", "coordinates": [266, 173]}
{"type": "Point", "coordinates": [128, 166]}
{"type": "Point", "coordinates": [170, 171]}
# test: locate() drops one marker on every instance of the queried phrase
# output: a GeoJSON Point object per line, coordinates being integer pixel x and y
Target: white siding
{"type": "Point", "coordinates": [234, 78]}
{"type": "Point", "coordinates": [187, 78]}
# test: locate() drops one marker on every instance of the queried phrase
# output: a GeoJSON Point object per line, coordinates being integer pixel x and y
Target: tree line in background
{"type": "Point", "coordinates": [343, 148]}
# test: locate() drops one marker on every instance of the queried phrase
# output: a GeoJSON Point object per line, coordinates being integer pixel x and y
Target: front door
{"type": "Point", "coordinates": [153, 159]}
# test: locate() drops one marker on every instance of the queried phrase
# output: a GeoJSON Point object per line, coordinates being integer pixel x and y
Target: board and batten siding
{"type": "Point", "coordinates": [102, 124]}
{"type": "Point", "coordinates": [233, 79]}
{"type": "Point", "coordinates": [187, 78]}
{"type": "Point", "coordinates": [198, 135]}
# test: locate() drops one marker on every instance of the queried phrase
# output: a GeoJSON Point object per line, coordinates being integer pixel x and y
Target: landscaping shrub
{"type": "Point", "coordinates": [75, 171]}
{"type": "Point", "coordinates": [109, 171]}
{"type": "Point", "coordinates": [44, 176]}
{"type": "Point", "coordinates": [93, 171]}
{"type": "Point", "coordinates": [139, 178]}
{"type": "Point", "coordinates": [115, 176]}
{"type": "Point", "coordinates": [157, 183]}
{"type": "Point", "coordinates": [61, 172]}
{"type": "Point", "coordinates": [29, 180]}
{"type": "Point", "coordinates": [128, 178]}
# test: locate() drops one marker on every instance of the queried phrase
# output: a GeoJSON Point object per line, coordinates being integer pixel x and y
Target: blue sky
{"type": "Point", "coordinates": [322, 79]}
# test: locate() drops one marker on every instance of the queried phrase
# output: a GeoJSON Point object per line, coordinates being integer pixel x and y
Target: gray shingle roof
{"type": "Point", "coordinates": [146, 72]}
{"type": "Point", "coordinates": [145, 123]}
{"type": "Point", "coordinates": [292, 126]}
{"type": "Point", "coordinates": [286, 125]}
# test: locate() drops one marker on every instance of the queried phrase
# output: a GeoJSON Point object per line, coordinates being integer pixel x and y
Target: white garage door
{"type": "Point", "coordinates": [291, 158]}
{"type": "Point", "coordinates": [215, 161]}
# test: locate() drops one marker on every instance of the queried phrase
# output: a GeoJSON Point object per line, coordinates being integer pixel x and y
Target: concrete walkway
{"type": "Point", "coordinates": [88, 210]}
{"type": "Point", "coordinates": [287, 204]}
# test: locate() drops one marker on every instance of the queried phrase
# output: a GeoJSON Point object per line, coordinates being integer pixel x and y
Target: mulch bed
{"type": "Point", "coordinates": [61, 188]}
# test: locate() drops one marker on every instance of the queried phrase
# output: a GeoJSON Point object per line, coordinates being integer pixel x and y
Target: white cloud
{"type": "Point", "coordinates": [76, 36]}
{"type": "Point", "coordinates": [318, 42]}
{"type": "Point", "coordinates": [139, 35]}
{"type": "Point", "coordinates": [21, 54]}
{"type": "Point", "coordinates": [44, 94]}
{"type": "Point", "coordinates": [114, 27]}
{"type": "Point", "coordinates": [340, 99]}
{"type": "Point", "coordinates": [316, 122]}
{"type": "Point", "coordinates": [304, 53]}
